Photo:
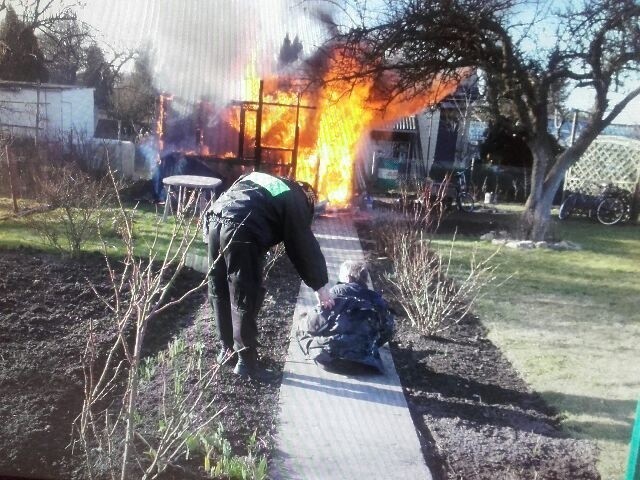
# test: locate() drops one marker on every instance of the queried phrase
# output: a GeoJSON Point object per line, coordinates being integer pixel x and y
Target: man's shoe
{"type": "Point", "coordinates": [248, 367]}
{"type": "Point", "coordinates": [226, 356]}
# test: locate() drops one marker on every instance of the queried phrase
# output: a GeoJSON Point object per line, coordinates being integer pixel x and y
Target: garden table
{"type": "Point", "coordinates": [189, 182]}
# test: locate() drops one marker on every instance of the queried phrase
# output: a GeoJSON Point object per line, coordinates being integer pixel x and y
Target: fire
{"type": "Point", "coordinates": [161, 115]}
{"type": "Point", "coordinates": [329, 132]}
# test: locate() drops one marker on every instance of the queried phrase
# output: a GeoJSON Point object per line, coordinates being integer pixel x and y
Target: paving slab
{"type": "Point", "coordinates": [333, 426]}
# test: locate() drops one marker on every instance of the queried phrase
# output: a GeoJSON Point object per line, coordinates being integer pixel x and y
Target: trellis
{"type": "Point", "coordinates": [608, 159]}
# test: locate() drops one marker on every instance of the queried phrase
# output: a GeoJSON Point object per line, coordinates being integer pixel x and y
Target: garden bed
{"type": "Point", "coordinates": [45, 305]}
{"type": "Point", "coordinates": [476, 418]}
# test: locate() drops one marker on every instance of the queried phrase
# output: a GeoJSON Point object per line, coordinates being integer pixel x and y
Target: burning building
{"type": "Point", "coordinates": [210, 57]}
{"type": "Point", "coordinates": [315, 132]}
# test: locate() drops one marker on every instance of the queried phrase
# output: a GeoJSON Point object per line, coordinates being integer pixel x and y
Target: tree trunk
{"type": "Point", "coordinates": [537, 213]}
{"type": "Point", "coordinates": [535, 219]}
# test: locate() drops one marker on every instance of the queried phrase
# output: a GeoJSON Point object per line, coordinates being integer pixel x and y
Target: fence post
{"type": "Point", "coordinates": [633, 469]}
{"type": "Point", "coordinates": [11, 185]}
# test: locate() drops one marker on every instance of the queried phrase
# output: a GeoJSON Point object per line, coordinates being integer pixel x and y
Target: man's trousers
{"type": "Point", "coordinates": [235, 284]}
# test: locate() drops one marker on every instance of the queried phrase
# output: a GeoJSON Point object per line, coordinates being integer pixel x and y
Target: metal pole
{"type": "Point", "coordinates": [633, 469]}
{"type": "Point", "coordinates": [259, 127]}
{"type": "Point", "coordinates": [11, 186]}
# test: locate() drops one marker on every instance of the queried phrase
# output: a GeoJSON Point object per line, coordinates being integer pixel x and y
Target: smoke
{"type": "Point", "coordinates": [209, 49]}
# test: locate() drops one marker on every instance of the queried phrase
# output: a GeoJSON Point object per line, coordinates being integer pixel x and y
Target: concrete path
{"type": "Point", "coordinates": [334, 426]}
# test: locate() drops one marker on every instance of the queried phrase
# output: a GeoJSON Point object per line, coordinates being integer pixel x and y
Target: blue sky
{"type": "Point", "coordinates": [203, 47]}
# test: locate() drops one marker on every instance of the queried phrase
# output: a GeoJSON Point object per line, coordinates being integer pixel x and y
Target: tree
{"type": "Point", "coordinates": [289, 51]}
{"type": "Point", "coordinates": [101, 75]}
{"type": "Point", "coordinates": [65, 52]}
{"type": "Point", "coordinates": [527, 53]}
{"type": "Point", "coordinates": [134, 99]}
{"type": "Point", "coordinates": [21, 58]}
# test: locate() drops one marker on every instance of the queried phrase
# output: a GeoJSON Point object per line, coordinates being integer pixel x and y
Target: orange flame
{"type": "Point", "coordinates": [161, 115]}
{"type": "Point", "coordinates": [329, 133]}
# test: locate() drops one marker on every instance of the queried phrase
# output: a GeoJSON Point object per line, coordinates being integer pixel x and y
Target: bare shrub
{"type": "Point", "coordinates": [431, 293]}
{"type": "Point", "coordinates": [116, 440]}
{"type": "Point", "coordinates": [139, 292]}
{"type": "Point", "coordinates": [421, 207]}
{"type": "Point", "coordinates": [75, 201]}
{"type": "Point", "coordinates": [422, 277]}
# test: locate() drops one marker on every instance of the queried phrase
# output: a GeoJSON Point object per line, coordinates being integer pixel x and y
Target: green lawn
{"type": "Point", "coordinates": [570, 323]}
{"type": "Point", "coordinates": [15, 232]}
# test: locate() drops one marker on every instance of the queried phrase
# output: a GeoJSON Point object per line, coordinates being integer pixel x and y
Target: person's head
{"type": "Point", "coordinates": [311, 196]}
{"type": "Point", "coordinates": [354, 272]}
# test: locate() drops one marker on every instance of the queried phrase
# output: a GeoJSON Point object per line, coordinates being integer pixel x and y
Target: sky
{"type": "Point", "coordinates": [543, 37]}
{"type": "Point", "coordinates": [203, 48]}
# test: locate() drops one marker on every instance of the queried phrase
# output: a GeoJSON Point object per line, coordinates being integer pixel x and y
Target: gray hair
{"type": "Point", "coordinates": [352, 271]}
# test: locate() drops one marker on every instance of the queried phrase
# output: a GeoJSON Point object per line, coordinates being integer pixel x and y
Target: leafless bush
{"type": "Point", "coordinates": [422, 276]}
{"type": "Point", "coordinates": [424, 282]}
{"type": "Point", "coordinates": [421, 207]}
{"type": "Point", "coordinates": [76, 201]}
{"type": "Point", "coordinates": [107, 428]}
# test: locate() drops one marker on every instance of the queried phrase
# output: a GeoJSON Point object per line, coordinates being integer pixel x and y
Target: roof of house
{"type": "Point", "coordinates": [14, 85]}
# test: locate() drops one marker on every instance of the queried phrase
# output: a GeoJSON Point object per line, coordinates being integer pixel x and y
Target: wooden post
{"type": "Point", "coordinates": [11, 187]}
{"type": "Point", "coordinates": [635, 199]}
{"type": "Point", "coordinates": [316, 180]}
{"type": "Point", "coordinates": [241, 134]}
{"type": "Point", "coordinates": [296, 142]}
{"type": "Point", "coordinates": [37, 132]}
{"type": "Point", "coordinates": [633, 469]}
{"type": "Point", "coordinates": [259, 127]}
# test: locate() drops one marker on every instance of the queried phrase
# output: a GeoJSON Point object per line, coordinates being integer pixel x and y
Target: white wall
{"type": "Point", "coordinates": [61, 111]}
{"type": "Point", "coordinates": [119, 154]}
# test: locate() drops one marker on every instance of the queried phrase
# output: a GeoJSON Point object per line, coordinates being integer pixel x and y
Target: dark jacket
{"type": "Point", "coordinates": [353, 330]}
{"type": "Point", "coordinates": [274, 210]}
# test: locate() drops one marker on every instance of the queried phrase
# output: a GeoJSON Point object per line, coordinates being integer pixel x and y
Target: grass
{"type": "Point", "coordinates": [569, 322]}
{"type": "Point", "coordinates": [15, 232]}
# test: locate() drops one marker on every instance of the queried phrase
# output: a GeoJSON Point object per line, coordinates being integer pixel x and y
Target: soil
{"type": "Point", "coordinates": [475, 417]}
{"type": "Point", "coordinates": [45, 306]}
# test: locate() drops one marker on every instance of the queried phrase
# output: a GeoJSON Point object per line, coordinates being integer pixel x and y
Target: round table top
{"type": "Point", "coordinates": [192, 181]}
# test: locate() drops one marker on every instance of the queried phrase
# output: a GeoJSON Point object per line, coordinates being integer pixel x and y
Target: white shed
{"type": "Point", "coordinates": [57, 111]}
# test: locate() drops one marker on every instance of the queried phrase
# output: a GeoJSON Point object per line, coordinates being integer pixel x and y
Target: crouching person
{"type": "Point", "coordinates": [351, 332]}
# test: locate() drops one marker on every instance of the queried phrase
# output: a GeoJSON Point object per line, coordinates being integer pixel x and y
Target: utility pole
{"type": "Point", "coordinates": [574, 125]}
